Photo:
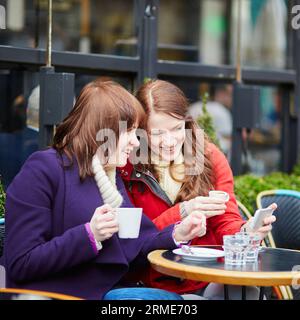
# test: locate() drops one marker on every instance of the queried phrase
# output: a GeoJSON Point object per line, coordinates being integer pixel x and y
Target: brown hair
{"type": "Point", "coordinates": [162, 96]}
{"type": "Point", "coordinates": [99, 106]}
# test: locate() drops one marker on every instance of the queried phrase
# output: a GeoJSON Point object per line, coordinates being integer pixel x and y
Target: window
{"type": "Point", "coordinates": [205, 31]}
{"type": "Point", "coordinates": [88, 26]}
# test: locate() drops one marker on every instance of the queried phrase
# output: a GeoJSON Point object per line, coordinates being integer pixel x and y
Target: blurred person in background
{"type": "Point", "coordinates": [220, 110]}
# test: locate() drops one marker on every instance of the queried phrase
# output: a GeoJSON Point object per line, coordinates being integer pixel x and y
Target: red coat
{"type": "Point", "coordinates": [144, 193]}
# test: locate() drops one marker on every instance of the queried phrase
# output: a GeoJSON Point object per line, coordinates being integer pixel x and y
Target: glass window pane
{"type": "Point", "coordinates": [264, 143]}
{"type": "Point", "coordinates": [18, 133]}
{"type": "Point", "coordinates": [90, 26]}
{"type": "Point", "coordinates": [19, 116]}
{"type": "Point", "coordinates": [205, 31]}
{"type": "Point", "coordinates": [178, 42]}
{"type": "Point", "coordinates": [264, 33]}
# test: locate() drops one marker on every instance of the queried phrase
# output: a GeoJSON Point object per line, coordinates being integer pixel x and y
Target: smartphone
{"type": "Point", "coordinates": [259, 217]}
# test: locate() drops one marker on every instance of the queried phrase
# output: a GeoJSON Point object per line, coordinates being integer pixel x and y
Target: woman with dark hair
{"type": "Point", "coordinates": [175, 179]}
{"type": "Point", "coordinates": [60, 209]}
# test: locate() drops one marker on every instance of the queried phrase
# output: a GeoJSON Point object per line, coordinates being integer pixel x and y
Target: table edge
{"type": "Point", "coordinates": [47, 294]}
{"type": "Point", "coordinates": [233, 277]}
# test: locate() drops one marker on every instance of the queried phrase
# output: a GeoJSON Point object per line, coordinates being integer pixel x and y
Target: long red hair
{"type": "Point", "coordinates": [163, 96]}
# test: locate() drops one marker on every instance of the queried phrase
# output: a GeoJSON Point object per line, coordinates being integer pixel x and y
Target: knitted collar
{"type": "Point", "coordinates": [108, 191]}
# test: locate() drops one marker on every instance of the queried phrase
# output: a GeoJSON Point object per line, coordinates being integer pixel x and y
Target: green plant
{"type": "Point", "coordinates": [205, 121]}
{"type": "Point", "coordinates": [2, 201]}
{"type": "Point", "coordinates": [146, 79]}
{"type": "Point", "coordinates": [296, 169]}
{"type": "Point", "coordinates": [247, 187]}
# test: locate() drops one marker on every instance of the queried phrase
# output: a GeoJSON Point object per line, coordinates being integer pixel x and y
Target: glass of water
{"type": "Point", "coordinates": [253, 246]}
{"type": "Point", "coordinates": [235, 249]}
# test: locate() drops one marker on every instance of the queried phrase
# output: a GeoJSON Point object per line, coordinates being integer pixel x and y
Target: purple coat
{"type": "Point", "coordinates": [47, 246]}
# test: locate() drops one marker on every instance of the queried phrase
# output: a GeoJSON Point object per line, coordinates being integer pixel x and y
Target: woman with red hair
{"type": "Point", "coordinates": [174, 179]}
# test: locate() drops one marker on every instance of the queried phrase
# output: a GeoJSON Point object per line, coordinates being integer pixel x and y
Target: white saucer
{"type": "Point", "coordinates": [200, 254]}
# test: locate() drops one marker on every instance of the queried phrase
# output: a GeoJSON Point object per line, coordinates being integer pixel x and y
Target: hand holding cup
{"type": "Point", "coordinates": [104, 223]}
{"type": "Point", "coordinates": [194, 225]}
{"type": "Point", "coordinates": [211, 206]}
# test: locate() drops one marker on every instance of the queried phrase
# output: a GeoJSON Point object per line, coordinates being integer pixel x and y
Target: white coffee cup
{"type": "Point", "coordinates": [129, 220]}
{"type": "Point", "coordinates": [219, 194]}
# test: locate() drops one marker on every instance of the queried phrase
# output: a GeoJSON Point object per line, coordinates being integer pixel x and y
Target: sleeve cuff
{"type": "Point", "coordinates": [95, 244]}
{"type": "Point", "coordinates": [182, 209]}
{"type": "Point", "coordinates": [179, 243]}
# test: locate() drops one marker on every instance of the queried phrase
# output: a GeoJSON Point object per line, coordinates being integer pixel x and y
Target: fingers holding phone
{"type": "Point", "coordinates": [267, 226]}
{"type": "Point", "coordinates": [262, 221]}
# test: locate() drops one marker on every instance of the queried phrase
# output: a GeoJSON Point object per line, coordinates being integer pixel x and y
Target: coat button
{"type": "Point", "coordinates": [138, 175]}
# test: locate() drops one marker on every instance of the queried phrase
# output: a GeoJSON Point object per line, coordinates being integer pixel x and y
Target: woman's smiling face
{"type": "Point", "coordinates": [127, 142]}
{"type": "Point", "coordinates": [166, 135]}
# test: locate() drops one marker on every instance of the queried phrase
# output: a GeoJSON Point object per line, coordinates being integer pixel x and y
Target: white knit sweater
{"type": "Point", "coordinates": [106, 182]}
{"type": "Point", "coordinates": [166, 181]}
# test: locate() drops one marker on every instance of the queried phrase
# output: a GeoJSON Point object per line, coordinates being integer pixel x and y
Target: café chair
{"type": "Point", "coordinates": [244, 212]}
{"type": "Point", "coordinates": [28, 294]}
{"type": "Point", "coordinates": [286, 230]}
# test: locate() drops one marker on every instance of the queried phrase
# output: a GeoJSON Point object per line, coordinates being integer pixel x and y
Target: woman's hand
{"type": "Point", "coordinates": [104, 223]}
{"type": "Point", "coordinates": [266, 228]}
{"type": "Point", "coordinates": [191, 227]}
{"type": "Point", "coordinates": [209, 206]}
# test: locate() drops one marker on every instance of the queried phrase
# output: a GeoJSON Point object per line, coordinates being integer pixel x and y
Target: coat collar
{"type": "Point", "coordinates": [131, 173]}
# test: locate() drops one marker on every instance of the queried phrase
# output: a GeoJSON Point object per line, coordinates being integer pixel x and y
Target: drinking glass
{"type": "Point", "coordinates": [252, 249]}
{"type": "Point", "coordinates": [235, 249]}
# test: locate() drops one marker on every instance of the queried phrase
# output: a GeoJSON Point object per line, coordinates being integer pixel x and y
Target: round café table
{"type": "Point", "coordinates": [22, 294]}
{"type": "Point", "coordinates": [273, 268]}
